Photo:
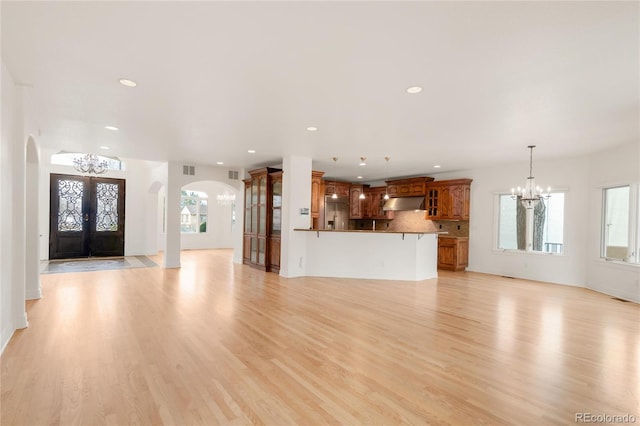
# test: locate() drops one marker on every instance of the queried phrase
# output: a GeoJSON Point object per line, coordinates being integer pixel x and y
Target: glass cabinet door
{"type": "Point", "coordinates": [276, 216]}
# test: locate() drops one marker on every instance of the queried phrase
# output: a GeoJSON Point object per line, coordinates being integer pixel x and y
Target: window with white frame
{"type": "Point", "coordinates": [193, 212]}
{"type": "Point", "coordinates": [541, 230]}
{"type": "Point", "coordinates": [620, 223]}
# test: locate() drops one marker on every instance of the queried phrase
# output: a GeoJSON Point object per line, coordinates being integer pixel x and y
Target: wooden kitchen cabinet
{"type": "Point", "coordinates": [408, 187]}
{"type": "Point", "coordinates": [448, 199]}
{"type": "Point", "coordinates": [341, 189]}
{"type": "Point", "coordinates": [275, 228]}
{"type": "Point", "coordinates": [262, 219]}
{"type": "Point", "coordinates": [358, 208]}
{"type": "Point", "coordinates": [453, 253]}
{"type": "Point", "coordinates": [375, 199]}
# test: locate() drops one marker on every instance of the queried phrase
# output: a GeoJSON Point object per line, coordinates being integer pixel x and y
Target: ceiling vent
{"type": "Point", "coordinates": [233, 175]}
{"type": "Point", "coordinates": [189, 170]}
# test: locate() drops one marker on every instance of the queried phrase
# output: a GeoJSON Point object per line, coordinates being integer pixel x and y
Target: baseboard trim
{"type": "Point", "coordinates": [34, 295]}
{"type": "Point", "coordinates": [8, 339]}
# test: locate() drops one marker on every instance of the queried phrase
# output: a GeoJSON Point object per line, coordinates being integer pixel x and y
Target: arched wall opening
{"type": "Point", "coordinates": [220, 223]}
{"type": "Point", "coordinates": [32, 232]}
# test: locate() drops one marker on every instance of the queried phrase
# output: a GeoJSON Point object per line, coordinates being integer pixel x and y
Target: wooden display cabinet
{"type": "Point", "coordinates": [275, 230]}
{"type": "Point", "coordinates": [259, 219]}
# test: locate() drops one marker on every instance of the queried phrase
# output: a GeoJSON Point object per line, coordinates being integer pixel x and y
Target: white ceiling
{"type": "Point", "coordinates": [218, 78]}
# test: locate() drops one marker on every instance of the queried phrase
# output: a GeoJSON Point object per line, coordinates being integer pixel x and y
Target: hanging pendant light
{"type": "Point", "coordinates": [363, 162]}
{"type": "Point", "coordinates": [335, 183]}
{"type": "Point", "coordinates": [531, 194]}
{"type": "Point", "coordinates": [386, 187]}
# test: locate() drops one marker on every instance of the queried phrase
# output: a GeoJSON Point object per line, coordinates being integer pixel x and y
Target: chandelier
{"type": "Point", "coordinates": [531, 194]}
{"type": "Point", "coordinates": [91, 164]}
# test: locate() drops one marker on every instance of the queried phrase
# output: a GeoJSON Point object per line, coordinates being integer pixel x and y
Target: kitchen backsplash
{"type": "Point", "coordinates": [410, 221]}
{"type": "Point", "coordinates": [454, 228]}
{"type": "Point", "coordinates": [413, 221]}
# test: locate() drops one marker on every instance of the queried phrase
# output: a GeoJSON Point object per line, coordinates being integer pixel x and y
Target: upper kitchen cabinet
{"type": "Point", "coordinates": [409, 187]}
{"type": "Point", "coordinates": [358, 207]}
{"type": "Point", "coordinates": [448, 199]}
{"type": "Point", "coordinates": [317, 198]}
{"type": "Point", "coordinates": [341, 189]}
{"type": "Point", "coordinates": [375, 199]}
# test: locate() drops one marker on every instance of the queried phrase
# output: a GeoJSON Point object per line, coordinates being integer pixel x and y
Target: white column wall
{"type": "Point", "coordinates": [296, 190]}
{"type": "Point", "coordinates": [32, 244]}
{"type": "Point", "coordinates": [172, 219]}
{"type": "Point", "coordinates": [8, 112]}
{"type": "Point", "coordinates": [12, 211]}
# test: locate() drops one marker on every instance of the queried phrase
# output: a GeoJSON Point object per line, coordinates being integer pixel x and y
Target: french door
{"type": "Point", "coordinates": [86, 216]}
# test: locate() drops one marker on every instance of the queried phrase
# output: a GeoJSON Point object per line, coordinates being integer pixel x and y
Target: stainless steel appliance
{"type": "Point", "coordinates": [336, 212]}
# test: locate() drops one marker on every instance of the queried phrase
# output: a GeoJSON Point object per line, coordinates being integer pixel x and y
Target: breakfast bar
{"type": "Point", "coordinates": [384, 255]}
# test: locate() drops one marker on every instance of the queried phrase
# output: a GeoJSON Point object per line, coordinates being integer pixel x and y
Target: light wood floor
{"type": "Point", "coordinates": [217, 343]}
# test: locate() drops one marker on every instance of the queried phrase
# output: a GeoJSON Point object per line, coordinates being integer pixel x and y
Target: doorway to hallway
{"type": "Point", "coordinates": [86, 216]}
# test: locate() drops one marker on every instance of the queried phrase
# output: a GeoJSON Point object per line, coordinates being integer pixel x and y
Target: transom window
{"type": "Point", "coordinates": [539, 230]}
{"type": "Point", "coordinates": [63, 158]}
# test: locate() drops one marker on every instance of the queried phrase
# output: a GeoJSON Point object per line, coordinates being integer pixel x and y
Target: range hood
{"type": "Point", "coordinates": [404, 203]}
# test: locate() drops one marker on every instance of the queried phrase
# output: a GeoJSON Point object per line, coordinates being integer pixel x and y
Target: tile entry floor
{"type": "Point", "coordinates": [102, 264]}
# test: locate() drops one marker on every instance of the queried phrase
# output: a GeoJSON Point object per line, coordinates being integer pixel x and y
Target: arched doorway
{"type": "Point", "coordinates": [32, 232]}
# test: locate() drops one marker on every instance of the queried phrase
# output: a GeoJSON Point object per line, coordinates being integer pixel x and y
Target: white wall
{"type": "Point", "coordinates": [7, 129]}
{"type": "Point", "coordinates": [220, 228]}
{"type": "Point", "coordinates": [617, 166]}
{"type": "Point", "coordinates": [569, 174]}
{"type": "Point", "coordinates": [12, 211]}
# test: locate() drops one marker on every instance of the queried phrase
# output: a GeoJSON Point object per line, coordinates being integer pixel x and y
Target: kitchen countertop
{"type": "Point", "coordinates": [369, 231]}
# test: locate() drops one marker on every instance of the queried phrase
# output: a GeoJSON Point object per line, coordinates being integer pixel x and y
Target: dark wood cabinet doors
{"type": "Point", "coordinates": [86, 216]}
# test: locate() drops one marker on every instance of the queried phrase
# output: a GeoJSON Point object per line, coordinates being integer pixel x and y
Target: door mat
{"type": "Point", "coordinates": [62, 266]}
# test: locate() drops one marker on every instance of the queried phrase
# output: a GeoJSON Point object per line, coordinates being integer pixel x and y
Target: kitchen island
{"type": "Point", "coordinates": [383, 255]}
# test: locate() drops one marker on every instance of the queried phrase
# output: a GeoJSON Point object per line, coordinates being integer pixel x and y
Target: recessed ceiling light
{"type": "Point", "coordinates": [251, 151]}
{"type": "Point", "coordinates": [104, 147]}
{"type": "Point", "coordinates": [358, 177]}
{"type": "Point", "coordinates": [111, 128]}
{"type": "Point", "coordinates": [437, 166]}
{"type": "Point", "coordinates": [128, 83]}
{"type": "Point", "coordinates": [312, 129]}
{"type": "Point", "coordinates": [363, 161]}
{"type": "Point", "coordinates": [220, 163]}
{"type": "Point", "coordinates": [414, 89]}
